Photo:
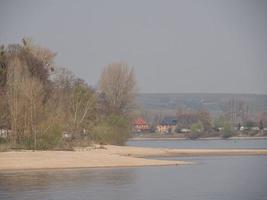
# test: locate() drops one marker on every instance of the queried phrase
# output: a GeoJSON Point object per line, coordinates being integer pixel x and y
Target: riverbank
{"type": "Point", "coordinates": [107, 156]}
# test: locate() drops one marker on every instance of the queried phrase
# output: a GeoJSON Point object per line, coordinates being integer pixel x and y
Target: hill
{"type": "Point", "coordinates": [214, 103]}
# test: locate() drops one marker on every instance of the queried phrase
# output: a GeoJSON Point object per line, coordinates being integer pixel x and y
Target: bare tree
{"type": "Point", "coordinates": [26, 83]}
{"type": "Point", "coordinates": [25, 97]}
{"type": "Point", "coordinates": [117, 87]}
{"type": "Point", "coordinates": [34, 95]}
{"type": "Point", "coordinates": [77, 101]}
{"type": "Point", "coordinates": [82, 106]}
{"type": "Point", "coordinates": [236, 111]}
{"type": "Point", "coordinates": [185, 119]}
{"type": "Point", "coordinates": [13, 85]}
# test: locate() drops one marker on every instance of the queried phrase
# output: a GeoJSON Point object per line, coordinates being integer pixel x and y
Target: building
{"type": "Point", "coordinates": [167, 125]}
{"type": "Point", "coordinates": [140, 125]}
{"type": "Point", "coordinates": [4, 133]}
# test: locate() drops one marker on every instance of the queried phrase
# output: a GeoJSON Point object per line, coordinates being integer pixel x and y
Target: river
{"type": "Point", "coordinates": [202, 143]}
{"type": "Point", "coordinates": [211, 178]}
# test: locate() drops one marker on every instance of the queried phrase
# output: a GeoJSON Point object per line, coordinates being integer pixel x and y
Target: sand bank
{"type": "Point", "coordinates": [109, 156]}
{"type": "Point", "coordinates": [29, 160]}
{"type": "Point", "coordinates": [161, 152]}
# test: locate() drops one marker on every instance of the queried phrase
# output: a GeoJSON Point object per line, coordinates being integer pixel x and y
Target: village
{"type": "Point", "coordinates": [179, 126]}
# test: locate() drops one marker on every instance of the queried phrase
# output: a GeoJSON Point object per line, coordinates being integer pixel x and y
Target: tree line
{"type": "Point", "coordinates": [40, 102]}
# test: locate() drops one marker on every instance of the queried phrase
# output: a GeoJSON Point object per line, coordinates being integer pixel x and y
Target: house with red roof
{"type": "Point", "coordinates": [140, 125]}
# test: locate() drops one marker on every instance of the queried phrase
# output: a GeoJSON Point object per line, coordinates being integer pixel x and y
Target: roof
{"type": "Point", "coordinates": [139, 121]}
{"type": "Point", "coordinates": [169, 121]}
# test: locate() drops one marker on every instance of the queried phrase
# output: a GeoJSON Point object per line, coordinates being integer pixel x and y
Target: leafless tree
{"type": "Point", "coordinates": [13, 94]}
{"type": "Point", "coordinates": [77, 101]}
{"type": "Point", "coordinates": [236, 111]}
{"type": "Point", "coordinates": [117, 86]}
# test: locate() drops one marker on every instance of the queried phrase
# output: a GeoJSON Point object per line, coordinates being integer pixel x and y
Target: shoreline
{"type": "Point", "coordinates": [108, 157]}
{"type": "Point", "coordinates": [183, 138]}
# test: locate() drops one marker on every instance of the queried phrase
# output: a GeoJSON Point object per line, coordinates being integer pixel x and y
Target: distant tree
{"type": "Point", "coordinates": [219, 122]}
{"type": "Point", "coordinates": [186, 119]}
{"type": "Point", "coordinates": [263, 118]}
{"type": "Point", "coordinates": [196, 130]}
{"type": "Point", "coordinates": [227, 130]}
{"type": "Point", "coordinates": [204, 117]}
{"type": "Point", "coordinates": [261, 127]}
{"type": "Point", "coordinates": [236, 111]}
{"type": "Point", "coordinates": [249, 124]}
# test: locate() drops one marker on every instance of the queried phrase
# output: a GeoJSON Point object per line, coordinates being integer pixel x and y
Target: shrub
{"type": "Point", "coordinates": [50, 140]}
{"type": "Point", "coordinates": [249, 124]}
{"type": "Point", "coordinates": [4, 146]}
{"type": "Point", "coordinates": [196, 130]}
{"type": "Point", "coordinates": [112, 130]}
{"type": "Point", "coordinates": [46, 141]}
{"type": "Point", "coordinates": [227, 130]}
{"type": "Point", "coordinates": [3, 140]}
{"type": "Point", "coordinates": [178, 130]}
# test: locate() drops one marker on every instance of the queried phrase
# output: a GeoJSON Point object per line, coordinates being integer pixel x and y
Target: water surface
{"type": "Point", "coordinates": [213, 144]}
{"type": "Point", "coordinates": [221, 178]}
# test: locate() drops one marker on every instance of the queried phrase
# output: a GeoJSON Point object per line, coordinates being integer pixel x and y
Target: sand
{"type": "Point", "coordinates": [29, 160]}
{"type": "Point", "coordinates": [163, 152]}
{"type": "Point", "coordinates": [109, 156]}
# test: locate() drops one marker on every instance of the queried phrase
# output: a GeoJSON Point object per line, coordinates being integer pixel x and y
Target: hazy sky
{"type": "Point", "coordinates": [175, 46]}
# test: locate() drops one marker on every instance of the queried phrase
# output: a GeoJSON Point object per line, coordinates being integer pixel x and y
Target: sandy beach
{"type": "Point", "coordinates": [108, 156]}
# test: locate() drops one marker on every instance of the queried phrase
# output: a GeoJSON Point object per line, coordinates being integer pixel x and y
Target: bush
{"type": "Point", "coordinates": [112, 130]}
{"type": "Point", "coordinates": [196, 130]}
{"type": "Point", "coordinates": [50, 140]}
{"type": "Point", "coordinates": [227, 130]}
{"type": "Point", "coordinates": [3, 140]}
{"type": "Point", "coordinates": [249, 124]}
{"type": "Point", "coordinates": [4, 146]}
{"type": "Point", "coordinates": [178, 130]}
{"type": "Point", "coordinates": [46, 141]}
